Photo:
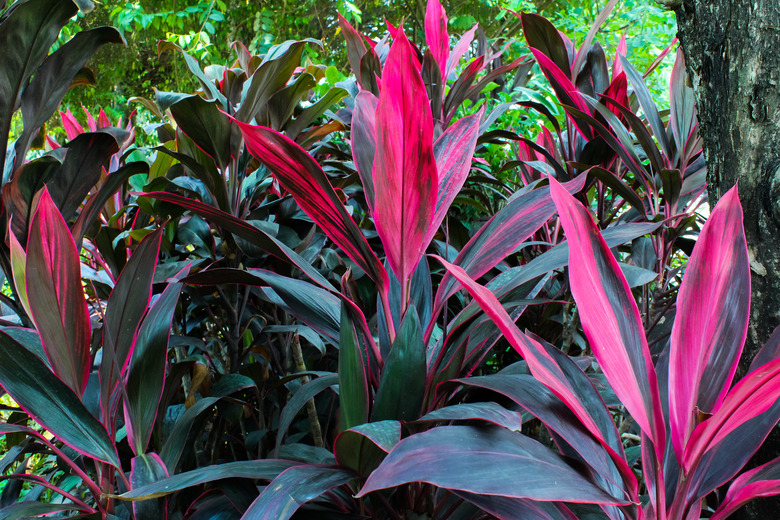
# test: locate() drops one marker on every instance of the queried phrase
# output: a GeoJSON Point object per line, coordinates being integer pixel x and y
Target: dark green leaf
{"type": "Point", "coordinates": [402, 387]}
{"type": "Point", "coordinates": [51, 403]}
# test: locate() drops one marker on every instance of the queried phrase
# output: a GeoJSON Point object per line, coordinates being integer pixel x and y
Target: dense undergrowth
{"type": "Point", "coordinates": [455, 285]}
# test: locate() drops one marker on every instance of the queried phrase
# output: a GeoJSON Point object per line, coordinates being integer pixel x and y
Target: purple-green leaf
{"type": "Point", "coordinates": [55, 295]}
{"type": "Point", "coordinates": [711, 325]}
{"type": "Point", "coordinates": [489, 461]}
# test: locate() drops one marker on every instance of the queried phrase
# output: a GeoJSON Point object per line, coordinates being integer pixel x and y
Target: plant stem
{"type": "Point", "coordinates": [311, 410]}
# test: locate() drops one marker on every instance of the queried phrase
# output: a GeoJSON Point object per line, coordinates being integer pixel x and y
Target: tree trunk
{"type": "Point", "coordinates": [732, 50]}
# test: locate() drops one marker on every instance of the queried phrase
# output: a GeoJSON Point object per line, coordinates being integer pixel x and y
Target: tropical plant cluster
{"type": "Point", "coordinates": [371, 299]}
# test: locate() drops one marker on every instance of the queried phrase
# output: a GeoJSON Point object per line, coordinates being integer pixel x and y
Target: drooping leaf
{"type": "Point", "coordinates": [82, 167]}
{"type": "Point", "coordinates": [710, 328]}
{"type": "Point", "coordinates": [244, 230]}
{"type": "Point", "coordinates": [27, 32]}
{"type": "Point", "coordinates": [55, 295]}
{"type": "Point", "coordinates": [51, 403]}
{"type": "Point", "coordinates": [264, 469]}
{"type": "Point", "coordinates": [610, 317]}
{"type": "Point", "coordinates": [54, 77]}
{"type": "Point", "coordinates": [483, 411]}
{"type": "Point", "coordinates": [300, 174]}
{"type": "Point", "coordinates": [405, 175]}
{"type": "Point", "coordinates": [294, 487]}
{"type": "Point", "coordinates": [490, 461]}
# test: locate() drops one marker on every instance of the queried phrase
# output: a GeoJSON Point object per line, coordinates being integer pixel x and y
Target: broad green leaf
{"type": "Point", "coordinates": [353, 383]}
{"type": "Point", "coordinates": [363, 447]}
{"type": "Point", "coordinates": [402, 386]}
{"type": "Point", "coordinates": [51, 403]}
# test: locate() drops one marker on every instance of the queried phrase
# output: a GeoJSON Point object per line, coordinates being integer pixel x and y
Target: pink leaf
{"type": "Point", "coordinates": [622, 49]}
{"type": "Point", "coordinates": [71, 125]}
{"type": "Point", "coordinates": [459, 50]}
{"type": "Point", "coordinates": [436, 35]}
{"type": "Point", "coordinates": [300, 175]}
{"type": "Point", "coordinates": [711, 323]}
{"type": "Point", "coordinates": [752, 396]}
{"type": "Point", "coordinates": [763, 481]}
{"type": "Point", "coordinates": [405, 176]}
{"type": "Point", "coordinates": [55, 295]}
{"type": "Point", "coordinates": [610, 317]}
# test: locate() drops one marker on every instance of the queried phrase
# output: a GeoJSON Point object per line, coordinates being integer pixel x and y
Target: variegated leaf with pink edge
{"type": "Point", "coordinates": [708, 335]}
{"type": "Point", "coordinates": [405, 175]}
{"type": "Point", "coordinates": [610, 317]}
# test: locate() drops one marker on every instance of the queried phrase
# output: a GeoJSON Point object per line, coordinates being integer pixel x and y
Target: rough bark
{"type": "Point", "coordinates": [732, 50]}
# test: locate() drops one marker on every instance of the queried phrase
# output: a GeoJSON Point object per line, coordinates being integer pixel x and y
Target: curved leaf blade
{"type": "Point", "coordinates": [610, 316]}
{"type": "Point", "coordinates": [488, 461]}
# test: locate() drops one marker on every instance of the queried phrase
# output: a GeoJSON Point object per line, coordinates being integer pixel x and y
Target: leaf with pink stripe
{"type": "Point", "coordinates": [405, 176]}
{"type": "Point", "coordinates": [610, 317]}
{"type": "Point", "coordinates": [707, 338]}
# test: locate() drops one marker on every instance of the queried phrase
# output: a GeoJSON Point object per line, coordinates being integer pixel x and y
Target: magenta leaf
{"type": "Point", "coordinates": [405, 175]}
{"type": "Point", "coordinates": [55, 295]}
{"type": "Point", "coordinates": [488, 461]}
{"type": "Point", "coordinates": [710, 328]}
{"type": "Point", "coordinates": [763, 481]}
{"type": "Point", "coordinates": [300, 174]}
{"type": "Point", "coordinates": [436, 35]}
{"type": "Point", "coordinates": [459, 50]}
{"type": "Point", "coordinates": [750, 397]}
{"type": "Point", "coordinates": [610, 317]}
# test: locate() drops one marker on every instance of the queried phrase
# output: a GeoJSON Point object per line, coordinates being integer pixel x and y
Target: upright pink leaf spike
{"type": "Point", "coordinates": [405, 175]}
{"type": "Point", "coordinates": [436, 35]}
{"type": "Point", "coordinates": [707, 338]}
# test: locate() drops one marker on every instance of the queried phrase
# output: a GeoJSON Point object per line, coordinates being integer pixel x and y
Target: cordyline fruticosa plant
{"type": "Point", "coordinates": [639, 169]}
{"type": "Point", "coordinates": [697, 429]}
{"type": "Point", "coordinates": [410, 178]}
